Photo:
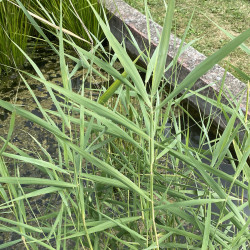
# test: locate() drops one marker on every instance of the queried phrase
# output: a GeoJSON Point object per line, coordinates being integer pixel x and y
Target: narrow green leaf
{"type": "Point", "coordinates": [104, 225]}
{"type": "Point", "coordinates": [111, 90]}
{"type": "Point", "coordinates": [240, 73]}
{"type": "Point", "coordinates": [124, 59]}
{"type": "Point", "coordinates": [104, 180]}
{"type": "Point", "coordinates": [33, 118]}
{"type": "Point", "coordinates": [189, 203]}
{"type": "Point", "coordinates": [181, 232]}
{"type": "Point", "coordinates": [220, 146]}
{"type": "Point", "coordinates": [242, 46]}
{"type": "Point", "coordinates": [162, 53]}
{"type": "Point", "coordinates": [35, 181]}
{"type": "Point", "coordinates": [22, 225]}
{"type": "Point", "coordinates": [39, 192]}
{"type": "Point", "coordinates": [9, 244]}
{"type": "Point", "coordinates": [36, 162]}
{"type": "Point", "coordinates": [204, 66]}
{"type": "Point", "coordinates": [206, 233]}
{"type": "Point", "coordinates": [11, 128]}
{"type": "Point", "coordinates": [115, 85]}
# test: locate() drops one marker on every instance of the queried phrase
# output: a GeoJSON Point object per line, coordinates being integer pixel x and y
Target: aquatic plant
{"type": "Point", "coordinates": [120, 179]}
{"type": "Point", "coordinates": [13, 27]}
{"type": "Point", "coordinates": [78, 20]}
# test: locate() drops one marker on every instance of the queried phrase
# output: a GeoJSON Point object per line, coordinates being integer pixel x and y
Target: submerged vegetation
{"type": "Point", "coordinates": [125, 173]}
{"type": "Point", "coordinates": [78, 21]}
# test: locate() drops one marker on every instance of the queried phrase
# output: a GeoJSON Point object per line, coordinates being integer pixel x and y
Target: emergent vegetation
{"type": "Point", "coordinates": [15, 28]}
{"type": "Point", "coordinates": [120, 178]}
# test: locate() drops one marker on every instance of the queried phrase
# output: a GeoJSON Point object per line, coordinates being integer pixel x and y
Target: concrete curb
{"type": "Point", "coordinates": [122, 14]}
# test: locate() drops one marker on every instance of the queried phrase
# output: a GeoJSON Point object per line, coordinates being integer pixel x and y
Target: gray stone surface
{"type": "Point", "coordinates": [122, 14]}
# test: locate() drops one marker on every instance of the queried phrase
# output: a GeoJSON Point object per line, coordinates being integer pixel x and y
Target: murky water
{"type": "Point", "coordinates": [14, 91]}
{"type": "Point", "coordinates": [27, 135]}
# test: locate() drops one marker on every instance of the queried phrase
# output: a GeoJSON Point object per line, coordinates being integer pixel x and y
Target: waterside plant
{"type": "Point", "coordinates": [77, 18]}
{"type": "Point", "coordinates": [13, 27]}
{"type": "Point", "coordinates": [78, 23]}
{"type": "Point", "coordinates": [120, 178]}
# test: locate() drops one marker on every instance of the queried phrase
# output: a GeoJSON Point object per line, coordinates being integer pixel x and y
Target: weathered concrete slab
{"type": "Point", "coordinates": [123, 14]}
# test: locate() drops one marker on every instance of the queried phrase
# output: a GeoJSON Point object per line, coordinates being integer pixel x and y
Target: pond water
{"type": "Point", "coordinates": [225, 166]}
{"type": "Point", "coordinates": [15, 91]}
{"type": "Point", "coordinates": [27, 135]}
{"type": "Point", "coordinates": [238, 194]}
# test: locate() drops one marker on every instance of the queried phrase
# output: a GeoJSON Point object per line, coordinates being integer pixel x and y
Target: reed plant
{"type": "Point", "coordinates": [77, 18]}
{"type": "Point", "coordinates": [121, 178]}
{"type": "Point", "coordinates": [13, 27]}
{"type": "Point", "coordinates": [79, 22]}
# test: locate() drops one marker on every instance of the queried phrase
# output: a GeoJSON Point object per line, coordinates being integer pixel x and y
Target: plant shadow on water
{"type": "Point", "coordinates": [225, 166]}
{"type": "Point", "coordinates": [192, 123]}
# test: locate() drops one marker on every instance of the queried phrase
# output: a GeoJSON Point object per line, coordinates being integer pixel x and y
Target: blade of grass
{"type": "Point", "coordinates": [204, 66]}
{"type": "Point", "coordinates": [124, 59]}
{"type": "Point", "coordinates": [104, 225]}
{"type": "Point", "coordinates": [205, 241]}
{"type": "Point", "coordinates": [160, 59]}
{"type": "Point", "coordinates": [36, 162]}
{"type": "Point", "coordinates": [111, 90]}
{"type": "Point", "coordinates": [9, 244]}
{"type": "Point", "coordinates": [189, 203]}
{"type": "Point", "coordinates": [33, 118]}
{"type": "Point", "coordinates": [19, 224]}
{"type": "Point", "coordinates": [103, 180]}
{"type": "Point", "coordinates": [35, 181]}
{"type": "Point", "coordinates": [242, 46]}
{"type": "Point", "coordinates": [39, 192]}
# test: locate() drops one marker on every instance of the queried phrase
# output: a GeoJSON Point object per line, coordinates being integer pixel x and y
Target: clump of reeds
{"type": "Point", "coordinates": [119, 180]}
{"type": "Point", "coordinates": [15, 28]}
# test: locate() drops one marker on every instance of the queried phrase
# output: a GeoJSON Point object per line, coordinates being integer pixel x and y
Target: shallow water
{"type": "Point", "coordinates": [16, 92]}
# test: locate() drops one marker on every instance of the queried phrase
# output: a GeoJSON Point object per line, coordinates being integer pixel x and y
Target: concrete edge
{"type": "Point", "coordinates": [122, 14]}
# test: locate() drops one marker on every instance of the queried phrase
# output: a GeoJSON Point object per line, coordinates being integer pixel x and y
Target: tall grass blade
{"type": "Point", "coordinates": [207, 64]}
{"type": "Point", "coordinates": [35, 181]}
{"type": "Point", "coordinates": [104, 225]}
{"type": "Point", "coordinates": [124, 59]}
{"type": "Point", "coordinates": [205, 241]}
{"type": "Point", "coordinates": [242, 46]}
{"type": "Point", "coordinates": [10, 244]}
{"type": "Point", "coordinates": [160, 59]}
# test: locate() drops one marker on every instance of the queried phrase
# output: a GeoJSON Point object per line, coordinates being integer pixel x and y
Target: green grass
{"type": "Point", "coordinates": [118, 180]}
{"type": "Point", "coordinates": [78, 21]}
{"type": "Point", "coordinates": [13, 27]}
{"type": "Point", "coordinates": [77, 18]}
{"type": "Point", "coordinates": [232, 16]}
